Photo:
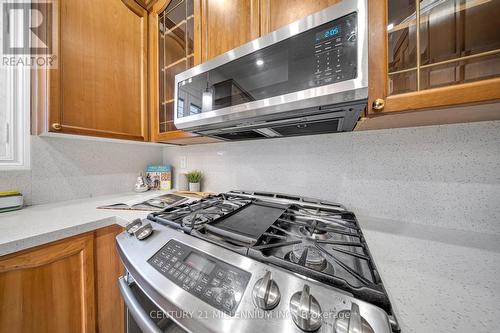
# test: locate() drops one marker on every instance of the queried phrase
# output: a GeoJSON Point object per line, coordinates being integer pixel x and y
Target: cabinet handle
{"type": "Point", "coordinates": [378, 104]}
{"type": "Point", "coordinates": [56, 126]}
{"type": "Point", "coordinates": [141, 317]}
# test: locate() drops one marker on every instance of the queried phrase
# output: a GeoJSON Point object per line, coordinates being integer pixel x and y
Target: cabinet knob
{"type": "Point", "coordinates": [378, 104]}
{"type": "Point", "coordinates": [56, 127]}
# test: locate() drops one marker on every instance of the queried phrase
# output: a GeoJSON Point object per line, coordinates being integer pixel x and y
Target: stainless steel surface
{"type": "Point", "coordinates": [333, 94]}
{"type": "Point", "coordinates": [355, 321]}
{"type": "Point", "coordinates": [320, 241]}
{"type": "Point", "coordinates": [133, 306]}
{"type": "Point", "coordinates": [305, 310]}
{"type": "Point", "coordinates": [350, 321]}
{"type": "Point", "coordinates": [198, 316]}
{"type": "Point", "coordinates": [266, 293]}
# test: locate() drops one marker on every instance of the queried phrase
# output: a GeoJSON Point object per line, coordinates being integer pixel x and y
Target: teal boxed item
{"type": "Point", "coordinates": [159, 177]}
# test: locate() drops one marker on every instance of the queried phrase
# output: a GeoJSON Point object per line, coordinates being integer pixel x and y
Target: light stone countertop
{"type": "Point", "coordinates": [41, 224]}
{"type": "Point", "coordinates": [438, 280]}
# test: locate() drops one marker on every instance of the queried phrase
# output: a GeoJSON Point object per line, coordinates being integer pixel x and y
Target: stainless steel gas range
{"type": "Point", "coordinates": [252, 262]}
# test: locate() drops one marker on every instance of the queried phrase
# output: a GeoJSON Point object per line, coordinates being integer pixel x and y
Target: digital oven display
{"type": "Point", "coordinates": [199, 263]}
{"type": "Point", "coordinates": [328, 33]}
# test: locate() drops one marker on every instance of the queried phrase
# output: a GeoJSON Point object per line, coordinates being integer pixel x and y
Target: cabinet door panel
{"type": "Point", "coordinates": [227, 24]}
{"type": "Point", "coordinates": [100, 86]}
{"type": "Point", "coordinates": [278, 13]}
{"type": "Point", "coordinates": [431, 54]}
{"type": "Point", "coordinates": [49, 290]}
{"type": "Point", "coordinates": [108, 268]}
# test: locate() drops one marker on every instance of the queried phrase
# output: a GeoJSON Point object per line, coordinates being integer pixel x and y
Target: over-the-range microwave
{"type": "Point", "coordinates": [309, 77]}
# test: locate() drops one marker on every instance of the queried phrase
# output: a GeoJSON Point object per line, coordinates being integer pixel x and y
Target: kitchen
{"type": "Point", "coordinates": [323, 166]}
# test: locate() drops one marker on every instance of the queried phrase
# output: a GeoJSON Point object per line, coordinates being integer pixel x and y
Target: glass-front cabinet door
{"type": "Point", "coordinates": [171, 51]}
{"type": "Point", "coordinates": [438, 52]}
{"type": "Point", "coordinates": [175, 55]}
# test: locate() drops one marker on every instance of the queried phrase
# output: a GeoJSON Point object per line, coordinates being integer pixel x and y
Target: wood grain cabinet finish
{"type": "Point", "coordinates": [278, 13]}
{"type": "Point", "coordinates": [219, 26]}
{"type": "Point", "coordinates": [100, 86]}
{"type": "Point", "coordinates": [66, 286]}
{"type": "Point", "coordinates": [433, 54]}
{"type": "Point", "coordinates": [227, 24]}
{"type": "Point", "coordinates": [174, 46]}
{"type": "Point", "coordinates": [147, 4]}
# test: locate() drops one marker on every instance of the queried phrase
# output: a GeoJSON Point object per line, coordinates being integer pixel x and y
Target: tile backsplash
{"type": "Point", "coordinates": [441, 175]}
{"type": "Point", "coordinates": [65, 169]}
{"type": "Point", "coordinates": [445, 175]}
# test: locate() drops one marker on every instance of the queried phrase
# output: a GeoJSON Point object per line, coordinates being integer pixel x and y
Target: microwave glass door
{"type": "Point", "coordinates": [320, 56]}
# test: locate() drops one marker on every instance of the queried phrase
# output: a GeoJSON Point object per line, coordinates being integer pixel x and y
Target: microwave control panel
{"type": "Point", "coordinates": [335, 51]}
{"type": "Point", "coordinates": [215, 282]}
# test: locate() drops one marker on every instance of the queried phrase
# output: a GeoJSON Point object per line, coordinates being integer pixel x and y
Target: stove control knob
{"type": "Point", "coordinates": [305, 310]}
{"type": "Point", "coordinates": [133, 226]}
{"type": "Point", "coordinates": [351, 321]}
{"type": "Point", "coordinates": [143, 231]}
{"type": "Point", "coordinates": [266, 294]}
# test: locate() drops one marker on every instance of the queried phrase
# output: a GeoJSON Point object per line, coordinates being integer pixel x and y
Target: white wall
{"type": "Point", "coordinates": [65, 169]}
{"type": "Point", "coordinates": [441, 175]}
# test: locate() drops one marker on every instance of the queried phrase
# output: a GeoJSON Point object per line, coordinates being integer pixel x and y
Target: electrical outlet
{"type": "Point", "coordinates": [183, 162]}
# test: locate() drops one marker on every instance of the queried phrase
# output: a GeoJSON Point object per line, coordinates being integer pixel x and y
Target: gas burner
{"type": "Point", "coordinates": [194, 219]}
{"type": "Point", "coordinates": [229, 206]}
{"type": "Point", "coordinates": [314, 259]}
{"type": "Point", "coordinates": [318, 213]}
{"type": "Point", "coordinates": [211, 213]}
{"type": "Point", "coordinates": [313, 232]}
{"type": "Point", "coordinates": [314, 212]}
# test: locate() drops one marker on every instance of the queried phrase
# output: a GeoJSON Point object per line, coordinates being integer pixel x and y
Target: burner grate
{"type": "Point", "coordinates": [320, 241]}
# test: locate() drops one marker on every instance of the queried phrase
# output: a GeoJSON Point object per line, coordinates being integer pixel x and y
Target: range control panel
{"type": "Point", "coordinates": [213, 281]}
{"type": "Point", "coordinates": [336, 51]}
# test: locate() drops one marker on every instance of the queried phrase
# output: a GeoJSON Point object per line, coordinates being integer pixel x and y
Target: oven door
{"type": "Point", "coordinates": [142, 315]}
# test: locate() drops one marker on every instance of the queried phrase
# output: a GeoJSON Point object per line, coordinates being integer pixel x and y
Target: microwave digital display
{"type": "Point", "coordinates": [325, 34]}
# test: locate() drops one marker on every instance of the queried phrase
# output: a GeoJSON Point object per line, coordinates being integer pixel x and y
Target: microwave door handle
{"type": "Point", "coordinates": [140, 316]}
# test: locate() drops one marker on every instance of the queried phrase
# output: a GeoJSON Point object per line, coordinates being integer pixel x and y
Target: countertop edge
{"type": "Point", "coordinates": [52, 236]}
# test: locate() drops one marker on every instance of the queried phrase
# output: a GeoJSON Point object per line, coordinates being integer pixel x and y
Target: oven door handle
{"type": "Point", "coordinates": [145, 323]}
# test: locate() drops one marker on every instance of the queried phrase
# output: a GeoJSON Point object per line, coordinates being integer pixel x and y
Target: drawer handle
{"type": "Point", "coordinates": [134, 307]}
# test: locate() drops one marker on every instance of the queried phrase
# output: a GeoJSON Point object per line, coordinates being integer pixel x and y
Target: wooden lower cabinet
{"type": "Point", "coordinates": [65, 286]}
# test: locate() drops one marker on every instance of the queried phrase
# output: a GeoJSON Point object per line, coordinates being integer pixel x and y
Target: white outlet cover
{"type": "Point", "coordinates": [183, 162]}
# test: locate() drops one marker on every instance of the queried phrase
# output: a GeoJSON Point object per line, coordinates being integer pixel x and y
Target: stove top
{"type": "Point", "coordinates": [317, 239]}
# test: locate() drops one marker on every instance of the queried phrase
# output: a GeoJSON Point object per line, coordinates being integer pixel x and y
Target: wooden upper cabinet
{"type": "Point", "coordinates": [174, 46]}
{"type": "Point", "coordinates": [227, 24]}
{"type": "Point", "coordinates": [430, 54]}
{"type": "Point", "coordinates": [278, 13]}
{"type": "Point", "coordinates": [100, 85]}
{"type": "Point", "coordinates": [147, 4]}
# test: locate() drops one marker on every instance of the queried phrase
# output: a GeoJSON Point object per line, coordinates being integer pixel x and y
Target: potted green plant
{"type": "Point", "coordinates": [194, 179]}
